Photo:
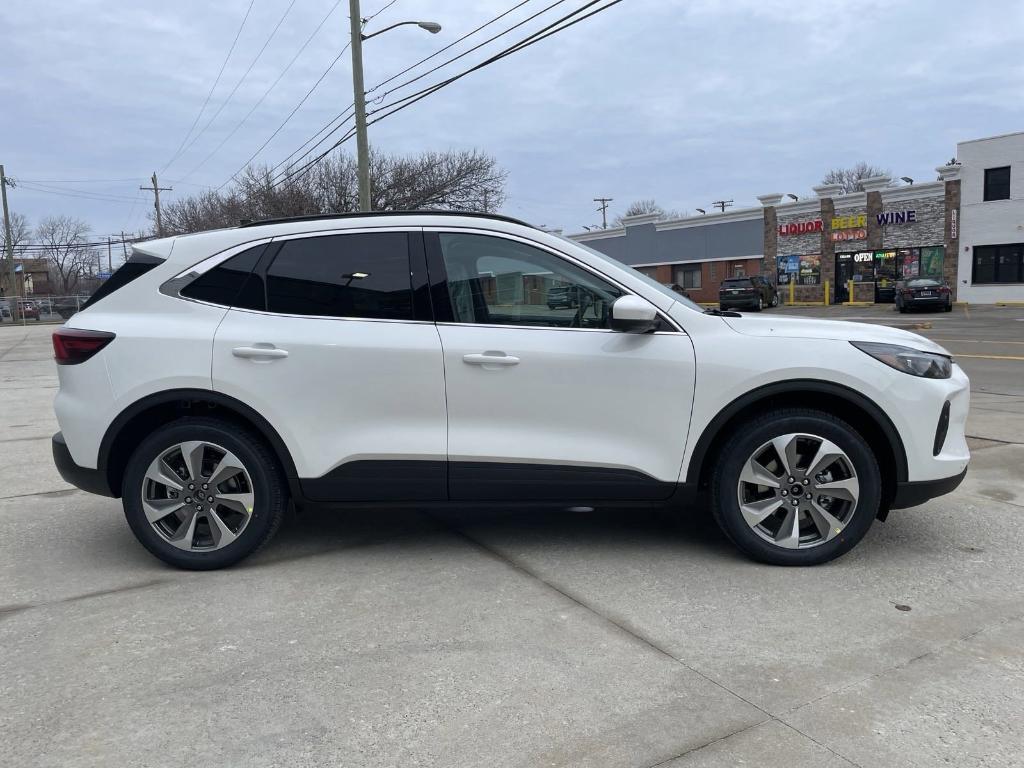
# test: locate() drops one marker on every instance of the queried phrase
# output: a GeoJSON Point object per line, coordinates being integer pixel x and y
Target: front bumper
{"type": "Point", "coordinates": [911, 494]}
{"type": "Point", "coordinates": [90, 480]}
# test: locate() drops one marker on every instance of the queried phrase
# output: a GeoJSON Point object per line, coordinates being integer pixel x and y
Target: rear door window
{"type": "Point", "coordinates": [359, 275]}
{"type": "Point", "coordinates": [228, 283]}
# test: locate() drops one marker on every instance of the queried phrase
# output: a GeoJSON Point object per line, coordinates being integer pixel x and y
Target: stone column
{"type": "Point", "coordinates": [950, 174]}
{"type": "Point", "coordinates": [769, 265]}
{"type": "Point", "coordinates": [873, 186]}
{"type": "Point", "coordinates": [826, 193]}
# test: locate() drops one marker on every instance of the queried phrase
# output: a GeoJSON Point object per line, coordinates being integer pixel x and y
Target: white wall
{"type": "Point", "coordinates": [994, 222]}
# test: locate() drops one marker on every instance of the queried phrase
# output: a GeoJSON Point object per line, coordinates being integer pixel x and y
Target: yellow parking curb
{"type": "Point", "coordinates": [1019, 304]}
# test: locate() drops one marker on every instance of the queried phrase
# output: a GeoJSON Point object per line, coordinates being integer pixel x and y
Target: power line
{"type": "Point", "coordinates": [77, 181]}
{"type": "Point", "coordinates": [289, 117]}
{"type": "Point", "coordinates": [241, 80]}
{"type": "Point", "coordinates": [202, 109]}
{"type": "Point", "coordinates": [398, 104]}
{"type": "Point", "coordinates": [378, 13]}
{"type": "Point", "coordinates": [82, 195]}
{"type": "Point", "coordinates": [341, 116]}
{"type": "Point", "coordinates": [471, 50]}
{"type": "Point", "coordinates": [267, 92]}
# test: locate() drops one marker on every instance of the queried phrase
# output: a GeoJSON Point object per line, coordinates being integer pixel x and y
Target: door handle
{"type": "Point", "coordinates": [260, 353]}
{"type": "Point", "coordinates": [490, 358]}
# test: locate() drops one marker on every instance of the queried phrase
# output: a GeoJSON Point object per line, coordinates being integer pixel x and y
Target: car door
{"type": "Point", "coordinates": [548, 403]}
{"type": "Point", "coordinates": [333, 344]}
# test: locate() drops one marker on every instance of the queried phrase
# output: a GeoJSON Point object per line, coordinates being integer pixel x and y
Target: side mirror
{"type": "Point", "coordinates": [631, 314]}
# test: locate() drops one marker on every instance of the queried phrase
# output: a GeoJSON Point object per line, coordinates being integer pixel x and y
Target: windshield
{"type": "Point", "coordinates": [686, 301]}
{"type": "Point", "coordinates": [923, 282]}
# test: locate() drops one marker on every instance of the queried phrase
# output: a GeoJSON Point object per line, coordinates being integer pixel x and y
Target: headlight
{"type": "Point", "coordinates": [912, 361]}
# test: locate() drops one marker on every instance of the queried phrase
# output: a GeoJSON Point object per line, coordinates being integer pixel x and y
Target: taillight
{"type": "Point", "coordinates": [72, 346]}
{"type": "Point", "coordinates": [943, 289]}
{"type": "Point", "coordinates": [907, 292]}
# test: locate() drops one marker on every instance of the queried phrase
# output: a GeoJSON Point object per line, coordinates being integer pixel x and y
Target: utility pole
{"type": "Point", "coordinates": [603, 209]}
{"type": "Point", "coordinates": [124, 245]}
{"type": "Point", "coordinates": [110, 262]}
{"type": "Point", "coordinates": [12, 300]}
{"type": "Point", "coordinates": [722, 204]}
{"type": "Point", "coordinates": [359, 92]}
{"type": "Point", "coordinates": [156, 189]}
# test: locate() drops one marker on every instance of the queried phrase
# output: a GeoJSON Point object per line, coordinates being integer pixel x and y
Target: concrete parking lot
{"type": "Point", "coordinates": [614, 638]}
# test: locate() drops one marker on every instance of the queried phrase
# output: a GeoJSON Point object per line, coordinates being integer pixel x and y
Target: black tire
{"type": "Point", "coordinates": [746, 440]}
{"type": "Point", "coordinates": [948, 307]}
{"type": "Point", "coordinates": [760, 304]}
{"type": "Point", "coordinates": [268, 485]}
{"type": "Point", "coordinates": [901, 308]}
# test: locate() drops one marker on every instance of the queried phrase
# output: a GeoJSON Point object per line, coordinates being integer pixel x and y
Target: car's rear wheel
{"type": "Point", "coordinates": [760, 303]}
{"type": "Point", "coordinates": [796, 487]}
{"type": "Point", "coordinates": [948, 307]}
{"type": "Point", "coordinates": [201, 494]}
{"type": "Point", "coordinates": [775, 300]}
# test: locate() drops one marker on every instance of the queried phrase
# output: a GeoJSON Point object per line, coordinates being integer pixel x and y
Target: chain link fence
{"type": "Point", "coordinates": [40, 309]}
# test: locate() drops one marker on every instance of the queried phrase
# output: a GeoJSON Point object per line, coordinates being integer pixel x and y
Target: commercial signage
{"type": "Point", "coordinates": [851, 227]}
{"type": "Point", "coordinates": [800, 228]}
{"type": "Point", "coordinates": [952, 224]}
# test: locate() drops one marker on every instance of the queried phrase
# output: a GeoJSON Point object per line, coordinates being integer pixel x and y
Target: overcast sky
{"type": "Point", "coordinates": [685, 101]}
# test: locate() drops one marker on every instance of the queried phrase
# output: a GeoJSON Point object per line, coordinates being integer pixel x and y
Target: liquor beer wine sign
{"type": "Point", "coordinates": [848, 227]}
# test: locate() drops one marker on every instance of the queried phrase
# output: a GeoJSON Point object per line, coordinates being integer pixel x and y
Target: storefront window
{"type": "Point", "coordinates": [788, 269]}
{"type": "Point", "coordinates": [810, 269]}
{"type": "Point", "coordinates": [908, 261]}
{"type": "Point", "coordinates": [931, 261]}
{"type": "Point", "coordinates": [999, 263]}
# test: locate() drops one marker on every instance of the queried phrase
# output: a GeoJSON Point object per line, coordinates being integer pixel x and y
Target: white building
{"type": "Point", "coordinates": [991, 252]}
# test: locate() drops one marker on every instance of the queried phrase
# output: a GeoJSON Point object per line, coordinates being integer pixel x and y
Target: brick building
{"type": "Point", "coordinates": [966, 227]}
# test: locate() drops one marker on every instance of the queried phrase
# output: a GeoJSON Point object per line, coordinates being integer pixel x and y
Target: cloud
{"type": "Point", "coordinates": [685, 101]}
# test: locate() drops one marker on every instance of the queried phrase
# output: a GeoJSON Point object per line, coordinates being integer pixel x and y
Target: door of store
{"type": "Point", "coordinates": [885, 277]}
{"type": "Point", "coordinates": [844, 274]}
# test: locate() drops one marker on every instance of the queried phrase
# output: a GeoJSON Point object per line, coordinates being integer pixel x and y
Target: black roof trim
{"type": "Point", "coordinates": [375, 214]}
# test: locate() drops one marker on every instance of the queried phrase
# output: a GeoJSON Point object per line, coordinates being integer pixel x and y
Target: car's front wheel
{"type": "Point", "coordinates": [200, 493]}
{"type": "Point", "coordinates": [796, 487]}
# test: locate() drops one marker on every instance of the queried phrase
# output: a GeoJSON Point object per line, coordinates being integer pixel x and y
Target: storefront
{"type": "Point", "coordinates": [884, 268]}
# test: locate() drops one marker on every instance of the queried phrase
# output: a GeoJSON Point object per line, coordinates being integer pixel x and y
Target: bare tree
{"type": "Point", "coordinates": [649, 205]}
{"type": "Point", "coordinates": [20, 233]}
{"type": "Point", "coordinates": [464, 181]}
{"type": "Point", "coordinates": [64, 244]}
{"type": "Point", "coordinates": [850, 178]}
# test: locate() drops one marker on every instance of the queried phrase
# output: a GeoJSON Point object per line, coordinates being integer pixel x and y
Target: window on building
{"type": "Point", "coordinates": [998, 263]}
{"type": "Point", "coordinates": [810, 269]}
{"type": "Point", "coordinates": [711, 270]}
{"type": "Point", "coordinates": [357, 276]}
{"type": "Point", "coordinates": [739, 269]}
{"type": "Point", "coordinates": [997, 183]}
{"type": "Point", "coordinates": [688, 276]}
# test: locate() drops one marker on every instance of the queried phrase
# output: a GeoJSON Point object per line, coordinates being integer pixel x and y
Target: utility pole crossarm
{"type": "Point", "coordinates": [156, 189]}
{"type": "Point", "coordinates": [603, 209]}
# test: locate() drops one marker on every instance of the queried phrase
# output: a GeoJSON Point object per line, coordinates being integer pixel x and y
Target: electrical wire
{"type": "Point", "coordinates": [265, 94]}
{"type": "Point", "coordinates": [341, 115]}
{"type": "Point", "coordinates": [289, 117]}
{"type": "Point", "coordinates": [370, 18]}
{"type": "Point", "coordinates": [202, 109]}
{"type": "Point", "coordinates": [76, 193]}
{"type": "Point", "coordinates": [407, 101]}
{"type": "Point", "coordinates": [241, 80]}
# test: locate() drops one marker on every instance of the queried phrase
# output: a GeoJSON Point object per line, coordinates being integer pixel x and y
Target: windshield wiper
{"type": "Point", "coordinates": [720, 313]}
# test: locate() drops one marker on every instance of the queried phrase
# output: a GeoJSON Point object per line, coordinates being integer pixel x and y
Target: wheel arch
{"type": "Point", "coordinates": [153, 411]}
{"type": "Point", "coordinates": [852, 406]}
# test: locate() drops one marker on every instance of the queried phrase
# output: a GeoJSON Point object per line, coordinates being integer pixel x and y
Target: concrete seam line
{"type": "Point", "coordinates": [13, 347]}
{"type": "Point", "coordinates": [84, 596]}
{"type": "Point", "coordinates": [68, 491]}
{"type": "Point", "coordinates": [821, 744]}
{"type": "Point", "coordinates": [621, 626]}
{"type": "Point", "coordinates": [716, 740]}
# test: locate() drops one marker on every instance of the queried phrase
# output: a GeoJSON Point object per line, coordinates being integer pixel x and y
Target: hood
{"type": "Point", "coordinates": [813, 328]}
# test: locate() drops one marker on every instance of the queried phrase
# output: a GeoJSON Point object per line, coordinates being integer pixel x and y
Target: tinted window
{"type": "Point", "coordinates": [999, 263]}
{"type": "Point", "coordinates": [228, 283]}
{"type": "Point", "coordinates": [997, 183]}
{"type": "Point", "coordinates": [923, 283]}
{"type": "Point", "coordinates": [496, 281]}
{"type": "Point", "coordinates": [743, 283]}
{"type": "Point", "coordinates": [138, 265]}
{"type": "Point", "coordinates": [357, 275]}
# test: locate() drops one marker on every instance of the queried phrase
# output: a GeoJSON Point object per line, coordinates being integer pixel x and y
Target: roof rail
{"type": "Point", "coordinates": [374, 214]}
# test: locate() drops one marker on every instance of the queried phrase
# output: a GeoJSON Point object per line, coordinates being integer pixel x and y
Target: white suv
{"type": "Point", "coordinates": [415, 359]}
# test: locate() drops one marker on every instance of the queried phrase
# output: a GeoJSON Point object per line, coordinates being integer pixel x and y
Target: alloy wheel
{"type": "Point", "coordinates": [798, 491]}
{"type": "Point", "coordinates": [197, 496]}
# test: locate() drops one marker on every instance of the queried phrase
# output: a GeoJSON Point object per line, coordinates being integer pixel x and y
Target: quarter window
{"type": "Point", "coordinates": [997, 183]}
{"type": "Point", "coordinates": [362, 275]}
{"type": "Point", "coordinates": [228, 283]}
{"type": "Point", "coordinates": [496, 281]}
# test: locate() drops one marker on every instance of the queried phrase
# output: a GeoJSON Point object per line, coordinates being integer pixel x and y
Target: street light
{"type": "Point", "coordinates": [907, 179]}
{"type": "Point", "coordinates": [362, 143]}
{"type": "Point", "coordinates": [792, 197]}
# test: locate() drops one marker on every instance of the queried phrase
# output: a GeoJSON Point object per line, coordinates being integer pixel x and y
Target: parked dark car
{"type": "Point", "coordinates": [754, 293]}
{"type": "Point", "coordinates": [563, 296]}
{"type": "Point", "coordinates": [927, 292]}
